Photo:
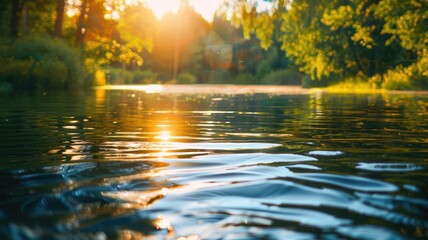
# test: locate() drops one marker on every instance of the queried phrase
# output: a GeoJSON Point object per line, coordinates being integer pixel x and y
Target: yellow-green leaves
{"type": "Point", "coordinates": [264, 29]}
{"type": "Point", "coordinates": [330, 39]}
{"type": "Point", "coordinates": [338, 18]}
{"type": "Point", "coordinates": [405, 20]}
{"type": "Point", "coordinates": [363, 35]}
{"type": "Point", "coordinates": [136, 28]}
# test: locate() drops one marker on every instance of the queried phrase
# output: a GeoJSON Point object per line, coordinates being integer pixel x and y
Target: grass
{"type": "Point", "coordinates": [354, 85]}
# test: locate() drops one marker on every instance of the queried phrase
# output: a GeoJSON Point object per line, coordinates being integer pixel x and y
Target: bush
{"type": "Point", "coordinates": [264, 68]}
{"type": "Point", "coordinates": [50, 73]}
{"type": "Point", "coordinates": [16, 72]}
{"type": "Point", "coordinates": [144, 77]}
{"type": "Point", "coordinates": [357, 84]}
{"type": "Point", "coordinates": [5, 87]}
{"type": "Point", "coordinates": [186, 78]}
{"type": "Point", "coordinates": [121, 76]}
{"type": "Point", "coordinates": [397, 79]}
{"type": "Point", "coordinates": [283, 77]}
{"type": "Point", "coordinates": [307, 82]}
{"type": "Point", "coordinates": [246, 78]}
{"type": "Point", "coordinates": [219, 77]}
{"type": "Point", "coordinates": [414, 76]}
{"type": "Point", "coordinates": [42, 63]}
{"type": "Point", "coordinates": [92, 75]}
{"type": "Point", "coordinates": [117, 76]}
{"type": "Point", "coordinates": [100, 78]}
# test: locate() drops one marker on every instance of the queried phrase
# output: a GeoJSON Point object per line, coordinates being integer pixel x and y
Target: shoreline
{"type": "Point", "coordinates": [232, 89]}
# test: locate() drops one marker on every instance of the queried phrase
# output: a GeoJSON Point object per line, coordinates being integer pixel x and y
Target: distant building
{"type": "Point", "coordinates": [218, 53]}
{"type": "Point", "coordinates": [236, 56]}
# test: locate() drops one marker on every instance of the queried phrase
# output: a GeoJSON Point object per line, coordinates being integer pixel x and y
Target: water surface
{"type": "Point", "coordinates": [130, 164]}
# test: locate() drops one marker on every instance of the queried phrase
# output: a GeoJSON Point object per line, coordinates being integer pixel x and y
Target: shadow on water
{"type": "Point", "coordinates": [129, 164]}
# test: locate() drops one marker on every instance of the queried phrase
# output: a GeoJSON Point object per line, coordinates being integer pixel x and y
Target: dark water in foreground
{"type": "Point", "coordinates": [131, 165]}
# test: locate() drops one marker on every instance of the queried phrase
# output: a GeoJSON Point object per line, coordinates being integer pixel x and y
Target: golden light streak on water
{"type": "Point", "coordinates": [151, 88]}
{"type": "Point", "coordinates": [164, 136]}
{"type": "Point", "coordinates": [163, 223]}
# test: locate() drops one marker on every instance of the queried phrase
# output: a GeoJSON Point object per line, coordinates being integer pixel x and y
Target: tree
{"type": "Point", "coordinates": [121, 41]}
{"type": "Point", "coordinates": [59, 17]}
{"type": "Point", "coordinates": [406, 24]}
{"type": "Point", "coordinates": [26, 17]}
{"type": "Point", "coordinates": [81, 28]}
{"type": "Point", "coordinates": [335, 39]}
{"type": "Point", "coordinates": [16, 12]}
{"type": "Point", "coordinates": [136, 30]}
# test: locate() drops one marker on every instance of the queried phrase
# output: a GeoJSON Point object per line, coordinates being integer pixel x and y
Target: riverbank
{"type": "Point", "coordinates": [229, 89]}
{"type": "Point", "coordinates": [211, 89]}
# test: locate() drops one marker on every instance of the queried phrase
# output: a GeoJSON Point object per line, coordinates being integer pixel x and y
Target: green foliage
{"type": "Point", "coordinates": [219, 77]}
{"type": "Point", "coordinates": [246, 78]}
{"type": "Point", "coordinates": [136, 28]}
{"type": "Point", "coordinates": [354, 85]}
{"type": "Point", "coordinates": [264, 24]}
{"type": "Point", "coordinates": [308, 82]}
{"type": "Point", "coordinates": [44, 63]}
{"type": "Point", "coordinates": [40, 14]}
{"type": "Point", "coordinates": [397, 79]}
{"type": "Point", "coordinates": [17, 73]}
{"type": "Point", "coordinates": [333, 40]}
{"type": "Point", "coordinates": [93, 73]}
{"type": "Point", "coordinates": [403, 78]}
{"type": "Point", "coordinates": [125, 41]}
{"type": "Point", "coordinates": [121, 76]}
{"type": "Point", "coordinates": [283, 77]}
{"type": "Point", "coordinates": [384, 42]}
{"type": "Point", "coordinates": [264, 68]}
{"type": "Point", "coordinates": [273, 59]}
{"type": "Point", "coordinates": [51, 72]}
{"type": "Point", "coordinates": [186, 78]}
{"type": "Point", "coordinates": [405, 21]}
{"type": "Point", "coordinates": [100, 78]}
{"type": "Point", "coordinates": [5, 87]}
{"type": "Point", "coordinates": [144, 77]}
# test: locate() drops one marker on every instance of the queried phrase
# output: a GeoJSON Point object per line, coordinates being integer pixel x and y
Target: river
{"type": "Point", "coordinates": [135, 164]}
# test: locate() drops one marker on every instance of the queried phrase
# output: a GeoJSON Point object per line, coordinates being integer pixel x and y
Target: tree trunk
{"type": "Point", "coordinates": [81, 24]}
{"type": "Point", "coordinates": [14, 20]}
{"type": "Point", "coordinates": [59, 17]}
{"type": "Point", "coordinates": [17, 7]}
{"type": "Point", "coordinates": [25, 19]}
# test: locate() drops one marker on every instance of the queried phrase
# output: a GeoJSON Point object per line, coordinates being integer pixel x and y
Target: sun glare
{"type": "Point", "coordinates": [206, 8]}
{"type": "Point", "coordinates": [161, 7]}
{"type": "Point", "coordinates": [165, 136]}
{"type": "Point", "coordinates": [203, 7]}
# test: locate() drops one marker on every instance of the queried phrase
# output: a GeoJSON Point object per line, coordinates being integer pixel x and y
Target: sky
{"type": "Point", "coordinates": [206, 8]}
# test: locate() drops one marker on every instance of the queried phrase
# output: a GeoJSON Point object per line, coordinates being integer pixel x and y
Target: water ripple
{"type": "Point", "coordinates": [325, 153]}
{"type": "Point", "coordinates": [225, 146]}
{"type": "Point", "coordinates": [389, 167]}
{"type": "Point", "coordinates": [349, 182]}
{"type": "Point", "coordinates": [242, 159]}
{"type": "Point", "coordinates": [128, 165]}
{"type": "Point", "coordinates": [276, 192]}
{"type": "Point", "coordinates": [368, 232]}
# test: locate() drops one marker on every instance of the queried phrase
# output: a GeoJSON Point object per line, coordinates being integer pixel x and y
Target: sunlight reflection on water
{"type": "Point", "coordinates": [129, 164]}
{"type": "Point", "coordinates": [152, 88]}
